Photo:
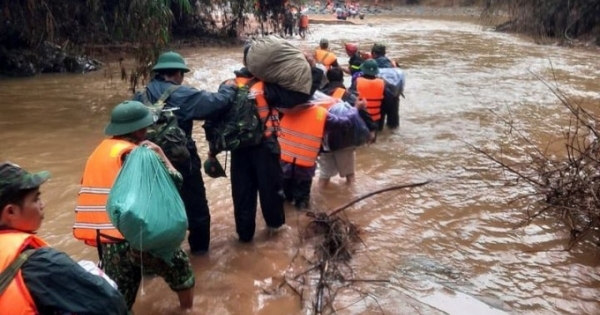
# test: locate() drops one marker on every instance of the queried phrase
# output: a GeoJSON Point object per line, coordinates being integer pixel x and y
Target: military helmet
{"type": "Point", "coordinates": [128, 117]}
{"type": "Point", "coordinates": [171, 61]}
{"type": "Point", "coordinates": [370, 67]}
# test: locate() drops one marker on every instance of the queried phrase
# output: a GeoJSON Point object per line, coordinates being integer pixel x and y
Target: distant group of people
{"type": "Point", "coordinates": [278, 168]}
{"type": "Point", "coordinates": [295, 22]}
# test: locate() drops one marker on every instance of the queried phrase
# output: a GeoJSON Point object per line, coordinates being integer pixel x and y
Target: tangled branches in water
{"type": "Point", "coordinates": [334, 240]}
{"type": "Point", "coordinates": [565, 188]}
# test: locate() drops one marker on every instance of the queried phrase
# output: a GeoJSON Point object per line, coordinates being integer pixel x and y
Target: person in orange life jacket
{"type": "Point", "coordinates": [338, 155]}
{"type": "Point", "coordinates": [302, 131]}
{"type": "Point", "coordinates": [324, 56]}
{"type": "Point", "coordinates": [48, 281]}
{"type": "Point", "coordinates": [390, 110]}
{"type": "Point", "coordinates": [375, 90]}
{"type": "Point", "coordinates": [302, 25]}
{"type": "Point", "coordinates": [127, 129]}
{"type": "Point", "coordinates": [255, 171]}
{"type": "Point", "coordinates": [190, 104]}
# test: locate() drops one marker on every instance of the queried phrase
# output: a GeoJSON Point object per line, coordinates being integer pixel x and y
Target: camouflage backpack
{"type": "Point", "coordinates": [239, 127]}
{"type": "Point", "coordinates": [166, 132]}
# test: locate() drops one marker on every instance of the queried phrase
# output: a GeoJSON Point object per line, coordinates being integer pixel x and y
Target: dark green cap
{"type": "Point", "coordinates": [171, 61]}
{"type": "Point", "coordinates": [128, 117]}
{"type": "Point", "coordinates": [324, 42]}
{"type": "Point", "coordinates": [13, 179]}
{"type": "Point", "coordinates": [370, 67]}
{"type": "Point", "coordinates": [378, 48]}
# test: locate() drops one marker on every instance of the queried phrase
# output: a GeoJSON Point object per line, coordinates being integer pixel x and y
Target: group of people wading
{"type": "Point", "coordinates": [37, 279]}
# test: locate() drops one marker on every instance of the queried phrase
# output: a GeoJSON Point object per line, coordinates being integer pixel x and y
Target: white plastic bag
{"type": "Point", "coordinates": [93, 269]}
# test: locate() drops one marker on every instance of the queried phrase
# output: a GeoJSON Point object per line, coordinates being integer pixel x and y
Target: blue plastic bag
{"type": "Point", "coordinates": [395, 77]}
{"type": "Point", "coordinates": [353, 137]}
{"type": "Point", "coordinates": [144, 205]}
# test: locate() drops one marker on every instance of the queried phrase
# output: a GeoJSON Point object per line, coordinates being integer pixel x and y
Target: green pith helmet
{"type": "Point", "coordinates": [128, 117]}
{"type": "Point", "coordinates": [171, 61]}
{"type": "Point", "coordinates": [370, 67]}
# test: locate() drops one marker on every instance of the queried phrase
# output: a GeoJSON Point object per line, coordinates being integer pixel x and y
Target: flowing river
{"type": "Point", "coordinates": [450, 247]}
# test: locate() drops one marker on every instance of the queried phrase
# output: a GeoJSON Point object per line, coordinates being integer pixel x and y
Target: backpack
{"type": "Point", "coordinates": [395, 77]}
{"type": "Point", "coordinates": [166, 132]}
{"type": "Point", "coordinates": [239, 127]}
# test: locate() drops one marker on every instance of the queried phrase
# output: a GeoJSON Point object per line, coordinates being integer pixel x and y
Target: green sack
{"type": "Point", "coordinates": [144, 205]}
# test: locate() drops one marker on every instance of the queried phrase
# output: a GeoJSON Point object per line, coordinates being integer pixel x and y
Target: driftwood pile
{"type": "Point", "coordinates": [333, 240]}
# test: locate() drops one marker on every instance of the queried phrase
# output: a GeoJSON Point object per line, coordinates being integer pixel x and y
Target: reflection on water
{"type": "Point", "coordinates": [457, 75]}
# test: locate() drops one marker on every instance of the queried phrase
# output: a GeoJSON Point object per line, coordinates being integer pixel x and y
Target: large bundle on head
{"type": "Point", "coordinates": [275, 60]}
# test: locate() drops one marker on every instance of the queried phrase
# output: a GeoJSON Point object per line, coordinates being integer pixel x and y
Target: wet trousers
{"type": "Point", "coordinates": [193, 195]}
{"type": "Point", "coordinates": [255, 171]}
{"type": "Point", "coordinates": [288, 29]}
{"type": "Point", "coordinates": [297, 190]}
{"type": "Point", "coordinates": [391, 113]}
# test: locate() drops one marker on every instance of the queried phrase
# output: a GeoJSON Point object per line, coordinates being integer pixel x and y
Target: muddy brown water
{"type": "Point", "coordinates": [450, 247]}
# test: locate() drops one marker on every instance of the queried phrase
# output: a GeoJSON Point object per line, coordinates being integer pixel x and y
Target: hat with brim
{"type": "Point", "coordinates": [128, 117]}
{"type": "Point", "coordinates": [213, 168]}
{"type": "Point", "coordinates": [171, 61]}
{"type": "Point", "coordinates": [369, 67]}
{"type": "Point", "coordinates": [13, 178]}
{"type": "Point", "coordinates": [171, 66]}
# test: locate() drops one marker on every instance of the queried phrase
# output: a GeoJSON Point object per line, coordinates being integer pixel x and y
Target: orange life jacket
{"type": "Point", "coordinates": [338, 93]}
{"type": "Point", "coordinates": [301, 135]}
{"type": "Point", "coordinates": [269, 117]}
{"type": "Point", "coordinates": [16, 300]}
{"type": "Point", "coordinates": [91, 219]}
{"type": "Point", "coordinates": [304, 21]}
{"type": "Point", "coordinates": [327, 58]}
{"type": "Point", "coordinates": [372, 90]}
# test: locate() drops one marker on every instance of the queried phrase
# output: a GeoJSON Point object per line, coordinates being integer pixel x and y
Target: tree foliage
{"type": "Point", "coordinates": [144, 25]}
{"type": "Point", "coordinates": [565, 19]}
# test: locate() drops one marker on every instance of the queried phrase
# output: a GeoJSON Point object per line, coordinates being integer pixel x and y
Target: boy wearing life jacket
{"type": "Point", "coordinates": [127, 129]}
{"type": "Point", "coordinates": [302, 131]}
{"type": "Point", "coordinates": [338, 156]}
{"type": "Point", "coordinates": [373, 89]}
{"type": "Point", "coordinates": [43, 280]}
